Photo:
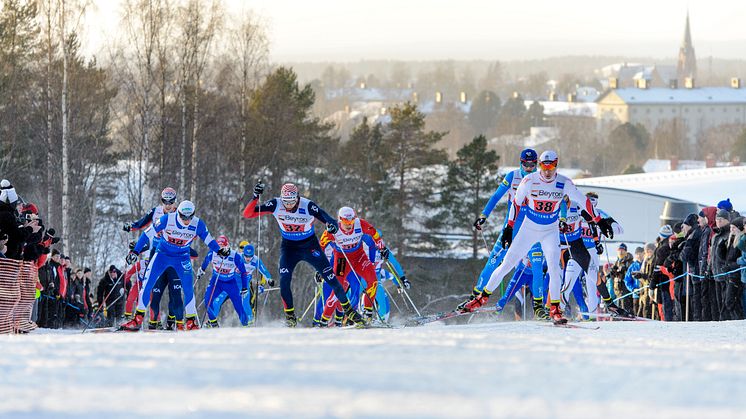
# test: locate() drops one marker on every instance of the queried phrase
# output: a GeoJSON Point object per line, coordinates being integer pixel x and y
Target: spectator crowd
{"type": "Point", "coordinates": [64, 294]}
{"type": "Point", "coordinates": [693, 271]}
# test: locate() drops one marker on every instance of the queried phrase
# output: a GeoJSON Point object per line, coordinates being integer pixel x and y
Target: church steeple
{"type": "Point", "coordinates": [687, 63]}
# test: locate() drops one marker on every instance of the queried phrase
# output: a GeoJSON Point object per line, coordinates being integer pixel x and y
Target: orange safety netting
{"type": "Point", "coordinates": [17, 294]}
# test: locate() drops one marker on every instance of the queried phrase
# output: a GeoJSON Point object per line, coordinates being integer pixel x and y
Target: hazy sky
{"type": "Point", "coordinates": [344, 30]}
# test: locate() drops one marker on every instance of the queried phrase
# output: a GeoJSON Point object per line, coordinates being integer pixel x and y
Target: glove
{"type": "Point", "coordinates": [258, 189]}
{"type": "Point", "coordinates": [480, 221]}
{"type": "Point", "coordinates": [385, 252]}
{"type": "Point", "coordinates": [126, 227]}
{"type": "Point", "coordinates": [331, 228]}
{"type": "Point", "coordinates": [224, 252]}
{"type": "Point", "coordinates": [600, 249]}
{"type": "Point", "coordinates": [507, 238]}
{"type": "Point", "coordinates": [131, 258]}
{"type": "Point", "coordinates": [244, 293]}
{"type": "Point", "coordinates": [605, 225]}
{"type": "Point", "coordinates": [563, 227]}
{"type": "Point", "coordinates": [317, 277]}
{"type": "Point", "coordinates": [271, 282]}
{"type": "Point", "coordinates": [405, 282]}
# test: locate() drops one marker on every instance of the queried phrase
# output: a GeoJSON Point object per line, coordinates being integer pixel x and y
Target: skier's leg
{"type": "Point", "coordinates": [184, 268]}
{"type": "Point", "coordinates": [316, 258]}
{"type": "Point", "coordinates": [495, 258]}
{"type": "Point", "coordinates": [516, 282]}
{"type": "Point", "coordinates": [231, 288]}
{"type": "Point", "coordinates": [209, 298]}
{"type": "Point", "coordinates": [289, 258]}
{"type": "Point", "coordinates": [155, 268]}
{"type": "Point", "coordinates": [521, 244]}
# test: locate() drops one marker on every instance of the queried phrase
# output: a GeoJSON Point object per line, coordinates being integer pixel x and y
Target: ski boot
{"type": "Point", "coordinates": [134, 324]}
{"type": "Point", "coordinates": [191, 323]}
{"type": "Point", "coordinates": [555, 314]}
{"type": "Point", "coordinates": [338, 318]}
{"type": "Point", "coordinates": [474, 294]}
{"type": "Point", "coordinates": [171, 322]}
{"type": "Point", "coordinates": [477, 302]}
{"type": "Point", "coordinates": [368, 315]}
{"type": "Point", "coordinates": [152, 325]}
{"type": "Point", "coordinates": [180, 325]}
{"type": "Point", "coordinates": [323, 322]}
{"type": "Point", "coordinates": [617, 311]}
{"type": "Point", "coordinates": [290, 319]}
{"type": "Point", "coordinates": [540, 310]}
{"type": "Point", "coordinates": [353, 315]}
{"type": "Point", "coordinates": [213, 323]}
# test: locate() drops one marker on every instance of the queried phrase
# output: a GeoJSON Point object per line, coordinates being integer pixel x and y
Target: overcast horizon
{"type": "Point", "coordinates": [422, 30]}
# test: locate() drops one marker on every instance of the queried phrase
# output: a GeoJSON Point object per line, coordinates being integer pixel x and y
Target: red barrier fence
{"type": "Point", "coordinates": [17, 294]}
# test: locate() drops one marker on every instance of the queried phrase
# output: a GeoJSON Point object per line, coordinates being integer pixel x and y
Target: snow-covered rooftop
{"type": "Point", "coordinates": [663, 165]}
{"type": "Point", "coordinates": [659, 95]}
{"type": "Point", "coordinates": [703, 186]}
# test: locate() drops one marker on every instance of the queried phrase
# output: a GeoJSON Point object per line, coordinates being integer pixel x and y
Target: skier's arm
{"type": "Point", "coordinates": [207, 261]}
{"type": "Point", "coordinates": [575, 195]}
{"type": "Point", "coordinates": [206, 237]}
{"type": "Point", "coordinates": [263, 269]}
{"type": "Point", "coordinates": [397, 267]}
{"type": "Point", "coordinates": [371, 231]}
{"type": "Point", "coordinates": [253, 210]}
{"type": "Point", "coordinates": [143, 222]}
{"type": "Point", "coordinates": [618, 229]}
{"type": "Point", "coordinates": [238, 260]}
{"type": "Point", "coordinates": [499, 193]}
{"type": "Point", "coordinates": [320, 214]}
{"type": "Point", "coordinates": [520, 197]}
{"type": "Point", "coordinates": [147, 236]}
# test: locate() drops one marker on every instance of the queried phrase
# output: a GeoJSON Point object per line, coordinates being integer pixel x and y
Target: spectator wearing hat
{"type": "Point", "coordinates": [717, 259]}
{"type": "Point", "coordinates": [9, 215]}
{"type": "Point", "coordinates": [644, 275]}
{"type": "Point", "coordinates": [617, 272]}
{"type": "Point", "coordinates": [729, 252]}
{"type": "Point", "coordinates": [632, 283]}
{"type": "Point", "coordinates": [728, 206]}
{"type": "Point", "coordinates": [110, 295]}
{"type": "Point", "coordinates": [706, 222]}
{"type": "Point", "coordinates": [662, 250]}
{"type": "Point", "coordinates": [675, 269]}
{"type": "Point", "coordinates": [742, 260]}
{"type": "Point", "coordinates": [51, 276]}
{"type": "Point", "coordinates": [690, 259]}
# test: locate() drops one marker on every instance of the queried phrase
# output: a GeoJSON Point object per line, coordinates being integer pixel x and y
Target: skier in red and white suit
{"type": "Point", "coordinates": [350, 256]}
{"type": "Point", "coordinates": [537, 199]}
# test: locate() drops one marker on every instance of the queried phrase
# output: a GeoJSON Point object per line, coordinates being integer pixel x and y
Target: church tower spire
{"type": "Point", "coordinates": [687, 62]}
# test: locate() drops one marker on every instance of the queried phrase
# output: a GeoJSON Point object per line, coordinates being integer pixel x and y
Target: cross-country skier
{"type": "Point", "coordinates": [350, 257]}
{"type": "Point", "coordinates": [575, 265]}
{"type": "Point", "coordinates": [538, 198]}
{"type": "Point", "coordinates": [223, 280]}
{"type": "Point", "coordinates": [169, 280]}
{"type": "Point", "coordinates": [295, 216]}
{"type": "Point", "coordinates": [508, 185]}
{"type": "Point", "coordinates": [178, 231]}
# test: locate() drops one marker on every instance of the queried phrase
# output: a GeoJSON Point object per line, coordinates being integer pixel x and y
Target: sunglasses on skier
{"type": "Point", "coordinates": [548, 165]}
{"type": "Point", "coordinates": [528, 165]}
{"type": "Point", "coordinates": [168, 201]}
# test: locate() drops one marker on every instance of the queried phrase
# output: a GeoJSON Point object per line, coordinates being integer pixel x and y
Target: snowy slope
{"type": "Point", "coordinates": [626, 369]}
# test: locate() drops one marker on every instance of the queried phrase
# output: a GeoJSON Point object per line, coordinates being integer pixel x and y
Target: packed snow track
{"type": "Point", "coordinates": [511, 369]}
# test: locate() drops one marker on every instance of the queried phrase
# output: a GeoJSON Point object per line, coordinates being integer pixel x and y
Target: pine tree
{"type": "Point", "coordinates": [471, 179]}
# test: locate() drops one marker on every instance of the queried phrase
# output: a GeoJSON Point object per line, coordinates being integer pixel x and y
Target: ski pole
{"type": "Point", "coordinates": [316, 295]}
{"type": "Point", "coordinates": [388, 294]}
{"type": "Point", "coordinates": [103, 302]}
{"type": "Point", "coordinates": [401, 287]}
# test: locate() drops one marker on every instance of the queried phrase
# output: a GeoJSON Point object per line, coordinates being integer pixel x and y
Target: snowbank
{"type": "Point", "coordinates": [625, 369]}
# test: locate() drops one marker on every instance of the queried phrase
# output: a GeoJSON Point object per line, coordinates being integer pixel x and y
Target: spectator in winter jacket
{"type": "Point", "coordinates": [88, 295]}
{"type": "Point", "coordinates": [742, 265]}
{"type": "Point", "coordinates": [659, 281]}
{"type": "Point", "coordinates": [689, 257]}
{"type": "Point", "coordinates": [76, 307]}
{"type": "Point", "coordinates": [644, 276]}
{"type": "Point", "coordinates": [717, 258]}
{"type": "Point", "coordinates": [617, 273]}
{"type": "Point", "coordinates": [728, 206]}
{"type": "Point", "coordinates": [729, 252]}
{"type": "Point", "coordinates": [110, 295]}
{"type": "Point", "coordinates": [53, 280]}
{"type": "Point", "coordinates": [3, 242]}
{"type": "Point", "coordinates": [630, 282]}
{"type": "Point", "coordinates": [706, 222]}
{"type": "Point", "coordinates": [675, 269]}
{"type": "Point", "coordinates": [9, 220]}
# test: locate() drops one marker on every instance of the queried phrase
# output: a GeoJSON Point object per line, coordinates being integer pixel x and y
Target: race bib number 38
{"type": "Point", "coordinates": [544, 206]}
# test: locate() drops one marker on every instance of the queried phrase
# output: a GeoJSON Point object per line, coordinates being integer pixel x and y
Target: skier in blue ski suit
{"type": "Point", "coordinates": [223, 281]}
{"type": "Point", "coordinates": [178, 231]}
